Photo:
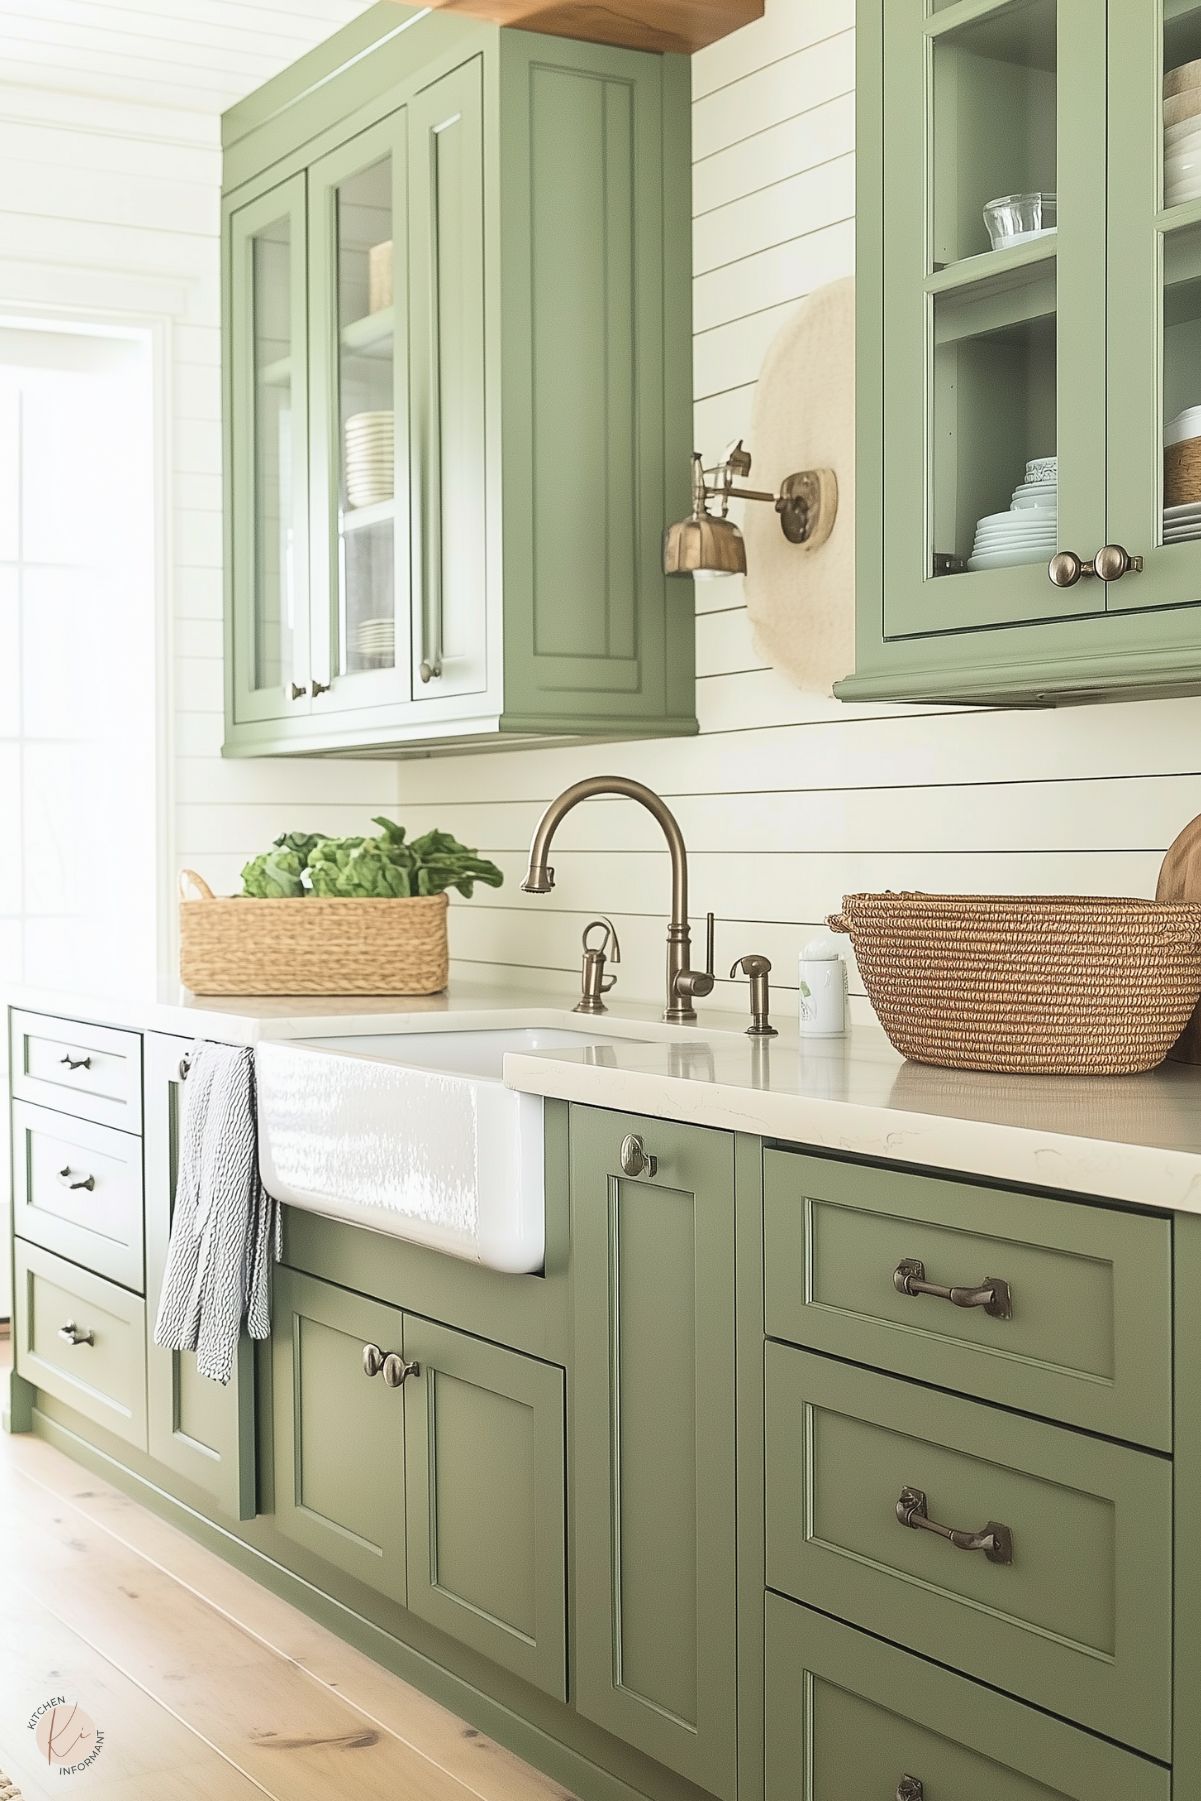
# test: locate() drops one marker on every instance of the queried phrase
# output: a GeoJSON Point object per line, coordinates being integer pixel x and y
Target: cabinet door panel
{"type": "Point", "coordinates": [266, 446]}
{"type": "Point", "coordinates": [452, 481]}
{"type": "Point", "coordinates": [359, 456]}
{"type": "Point", "coordinates": [339, 1434]}
{"type": "Point", "coordinates": [992, 358]}
{"type": "Point", "coordinates": [199, 1429]}
{"type": "Point", "coordinates": [653, 1450]}
{"type": "Point", "coordinates": [486, 1475]}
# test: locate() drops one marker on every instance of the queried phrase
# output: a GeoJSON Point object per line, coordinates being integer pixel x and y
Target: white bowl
{"type": "Point", "coordinates": [1040, 469]}
{"type": "Point", "coordinates": [1183, 76]}
{"type": "Point", "coordinates": [1179, 108]}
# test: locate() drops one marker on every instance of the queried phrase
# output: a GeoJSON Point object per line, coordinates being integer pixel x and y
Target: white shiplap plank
{"type": "Point", "coordinates": [812, 198]}
{"type": "Point", "coordinates": [781, 32]}
{"type": "Point", "coordinates": [778, 91]}
{"type": "Point", "coordinates": [759, 162]}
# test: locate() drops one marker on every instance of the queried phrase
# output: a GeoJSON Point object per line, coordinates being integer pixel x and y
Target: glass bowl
{"type": "Point", "coordinates": [1016, 218]}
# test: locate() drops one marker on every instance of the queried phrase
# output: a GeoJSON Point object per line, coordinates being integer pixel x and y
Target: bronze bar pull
{"type": "Point", "coordinates": [994, 1295]}
{"type": "Point", "coordinates": [76, 1062]}
{"type": "Point", "coordinates": [995, 1540]}
{"type": "Point", "coordinates": [910, 1788]}
{"type": "Point", "coordinates": [71, 1334]}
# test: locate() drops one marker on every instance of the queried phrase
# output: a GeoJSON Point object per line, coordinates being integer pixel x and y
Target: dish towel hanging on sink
{"type": "Point", "coordinates": [225, 1232]}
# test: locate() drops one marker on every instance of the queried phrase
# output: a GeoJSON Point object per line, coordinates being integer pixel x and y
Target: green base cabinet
{"type": "Point", "coordinates": [458, 392]}
{"type": "Point", "coordinates": [196, 1428]}
{"type": "Point", "coordinates": [653, 1442]}
{"type": "Point", "coordinates": [975, 359]}
{"type": "Point", "coordinates": [445, 1492]}
{"type": "Point", "coordinates": [850, 1718]}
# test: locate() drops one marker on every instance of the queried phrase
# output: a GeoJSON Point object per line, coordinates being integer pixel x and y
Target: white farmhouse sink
{"type": "Point", "coordinates": [413, 1134]}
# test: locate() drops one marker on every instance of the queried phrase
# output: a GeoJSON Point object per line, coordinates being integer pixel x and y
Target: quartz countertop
{"type": "Point", "coordinates": [1125, 1138]}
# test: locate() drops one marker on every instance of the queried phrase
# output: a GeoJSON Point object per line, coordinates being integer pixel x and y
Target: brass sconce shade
{"type": "Point", "coordinates": [711, 544]}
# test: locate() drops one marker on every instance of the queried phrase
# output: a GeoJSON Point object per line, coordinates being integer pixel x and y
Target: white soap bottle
{"type": "Point", "coordinates": [823, 990]}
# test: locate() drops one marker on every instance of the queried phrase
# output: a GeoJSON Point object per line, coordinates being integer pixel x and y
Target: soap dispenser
{"type": "Point", "coordinates": [823, 990]}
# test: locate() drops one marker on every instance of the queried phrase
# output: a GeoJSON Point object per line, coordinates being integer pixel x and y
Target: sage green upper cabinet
{"type": "Point", "coordinates": [653, 1440]}
{"type": "Point", "coordinates": [458, 391]}
{"type": "Point", "coordinates": [1079, 343]}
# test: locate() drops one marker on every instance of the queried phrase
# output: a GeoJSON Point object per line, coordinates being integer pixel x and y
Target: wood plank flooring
{"type": "Point", "coordinates": [206, 1686]}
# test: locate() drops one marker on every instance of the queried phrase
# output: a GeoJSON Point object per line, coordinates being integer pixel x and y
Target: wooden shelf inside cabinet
{"type": "Point", "coordinates": [991, 292]}
{"type": "Point", "coordinates": [371, 335]}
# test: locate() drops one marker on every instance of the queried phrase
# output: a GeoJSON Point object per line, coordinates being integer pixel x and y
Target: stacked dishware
{"type": "Point", "coordinates": [375, 641]}
{"type": "Point", "coordinates": [1182, 134]}
{"type": "Point", "coordinates": [370, 458]}
{"type": "Point", "coordinates": [1027, 533]}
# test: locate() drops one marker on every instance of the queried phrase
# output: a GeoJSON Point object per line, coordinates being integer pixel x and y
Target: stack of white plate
{"type": "Point", "coordinates": [1027, 533]}
{"type": "Point", "coordinates": [375, 640]}
{"type": "Point", "coordinates": [1182, 522]}
{"type": "Point", "coordinates": [370, 458]}
{"type": "Point", "coordinates": [1182, 134]}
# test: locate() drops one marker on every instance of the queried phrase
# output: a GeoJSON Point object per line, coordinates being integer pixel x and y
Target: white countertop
{"type": "Point", "coordinates": [1125, 1138]}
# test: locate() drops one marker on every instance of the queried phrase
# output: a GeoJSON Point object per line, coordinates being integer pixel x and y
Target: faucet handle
{"type": "Point", "coordinates": [710, 944]}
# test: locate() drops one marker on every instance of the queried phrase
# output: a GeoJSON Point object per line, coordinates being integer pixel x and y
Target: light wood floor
{"type": "Point", "coordinates": [206, 1687]}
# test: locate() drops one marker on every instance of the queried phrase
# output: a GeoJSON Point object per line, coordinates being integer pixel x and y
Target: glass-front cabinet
{"type": "Point", "coordinates": [451, 260]}
{"type": "Point", "coordinates": [1029, 349]}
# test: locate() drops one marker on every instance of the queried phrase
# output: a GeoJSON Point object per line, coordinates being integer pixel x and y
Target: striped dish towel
{"type": "Point", "coordinates": [225, 1231]}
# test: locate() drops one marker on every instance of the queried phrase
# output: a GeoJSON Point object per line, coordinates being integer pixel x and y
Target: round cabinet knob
{"type": "Point", "coordinates": [1066, 568]}
{"type": "Point", "coordinates": [636, 1160]}
{"type": "Point", "coordinates": [321, 688]}
{"type": "Point", "coordinates": [299, 690]}
{"type": "Point", "coordinates": [397, 1371]}
{"type": "Point", "coordinates": [373, 1360]}
{"type": "Point", "coordinates": [1113, 561]}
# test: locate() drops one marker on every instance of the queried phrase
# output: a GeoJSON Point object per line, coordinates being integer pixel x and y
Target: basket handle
{"type": "Point", "coordinates": [838, 922]}
{"type": "Point", "coordinates": [189, 877]}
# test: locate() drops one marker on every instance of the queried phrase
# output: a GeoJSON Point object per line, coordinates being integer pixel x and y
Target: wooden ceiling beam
{"type": "Point", "coordinates": [664, 25]}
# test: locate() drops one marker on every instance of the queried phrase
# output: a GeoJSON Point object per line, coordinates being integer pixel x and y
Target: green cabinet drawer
{"type": "Point", "coordinates": [1078, 1619]}
{"type": "Point", "coordinates": [94, 1072]}
{"type": "Point", "coordinates": [851, 1719]}
{"type": "Point", "coordinates": [83, 1340]}
{"type": "Point", "coordinates": [77, 1190]}
{"type": "Point", "coordinates": [1087, 1339]}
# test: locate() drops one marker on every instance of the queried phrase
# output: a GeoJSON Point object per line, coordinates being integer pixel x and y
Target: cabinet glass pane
{"type": "Point", "coordinates": [367, 422]}
{"type": "Point", "coordinates": [994, 117]}
{"type": "Point", "coordinates": [274, 475]}
{"type": "Point", "coordinates": [994, 484]}
{"type": "Point", "coordinates": [1181, 369]}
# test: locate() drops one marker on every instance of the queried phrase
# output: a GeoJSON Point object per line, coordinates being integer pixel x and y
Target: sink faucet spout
{"type": "Point", "coordinates": [683, 982]}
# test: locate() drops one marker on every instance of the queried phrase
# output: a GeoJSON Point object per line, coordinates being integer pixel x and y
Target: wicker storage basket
{"type": "Point", "coordinates": [311, 946]}
{"type": "Point", "coordinates": [1046, 984]}
{"type": "Point", "coordinates": [1182, 473]}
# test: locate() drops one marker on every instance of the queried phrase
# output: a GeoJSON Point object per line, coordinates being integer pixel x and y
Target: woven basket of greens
{"type": "Point", "coordinates": [320, 915]}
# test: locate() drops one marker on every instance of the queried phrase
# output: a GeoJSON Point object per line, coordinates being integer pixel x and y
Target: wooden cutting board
{"type": "Point", "coordinates": [1180, 880]}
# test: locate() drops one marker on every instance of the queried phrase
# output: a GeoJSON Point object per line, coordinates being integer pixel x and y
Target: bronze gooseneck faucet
{"type": "Point", "coordinates": [684, 983]}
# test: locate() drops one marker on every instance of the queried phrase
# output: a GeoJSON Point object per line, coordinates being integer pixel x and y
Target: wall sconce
{"type": "Point", "coordinates": [711, 544]}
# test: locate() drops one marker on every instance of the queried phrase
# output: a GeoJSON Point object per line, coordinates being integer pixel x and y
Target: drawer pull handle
{"type": "Point", "coordinates": [70, 1334]}
{"type": "Point", "coordinates": [76, 1062]}
{"type": "Point", "coordinates": [910, 1788]}
{"type": "Point", "coordinates": [995, 1296]}
{"type": "Point", "coordinates": [68, 1179]}
{"type": "Point", "coordinates": [636, 1160]}
{"type": "Point", "coordinates": [995, 1540]}
{"type": "Point", "coordinates": [397, 1371]}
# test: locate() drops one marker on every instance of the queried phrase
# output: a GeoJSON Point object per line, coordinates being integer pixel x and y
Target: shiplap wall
{"type": "Point", "coordinates": [788, 799]}
{"type": "Point", "coordinates": [111, 205]}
